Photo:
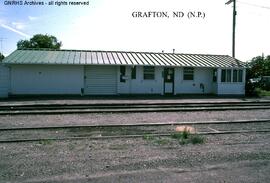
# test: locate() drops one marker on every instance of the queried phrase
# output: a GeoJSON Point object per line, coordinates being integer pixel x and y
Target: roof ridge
{"type": "Point", "coordinates": [149, 52]}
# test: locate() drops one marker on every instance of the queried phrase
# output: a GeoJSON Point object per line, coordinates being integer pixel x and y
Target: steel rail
{"type": "Point", "coordinates": [137, 125]}
{"type": "Point", "coordinates": [130, 136]}
{"type": "Point", "coordinates": [130, 110]}
{"type": "Point", "coordinates": [53, 107]}
{"type": "Point", "coordinates": [132, 104]}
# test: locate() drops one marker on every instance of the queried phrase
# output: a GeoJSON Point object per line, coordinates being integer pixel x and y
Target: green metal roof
{"type": "Point", "coordinates": [87, 57]}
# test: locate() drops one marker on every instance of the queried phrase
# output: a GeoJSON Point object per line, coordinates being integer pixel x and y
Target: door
{"type": "Point", "coordinates": [168, 80]}
{"type": "Point", "coordinates": [100, 80]}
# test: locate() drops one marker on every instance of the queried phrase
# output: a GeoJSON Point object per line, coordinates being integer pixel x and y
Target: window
{"type": "Point", "coordinates": [188, 73]}
{"type": "Point", "coordinates": [122, 74]}
{"type": "Point", "coordinates": [148, 73]}
{"type": "Point", "coordinates": [223, 75]}
{"type": "Point", "coordinates": [237, 75]}
{"type": "Point", "coordinates": [240, 75]}
{"type": "Point", "coordinates": [234, 75]}
{"type": "Point", "coordinates": [215, 75]}
{"type": "Point", "coordinates": [133, 72]}
{"type": "Point", "coordinates": [229, 75]}
{"type": "Point", "coordinates": [226, 75]}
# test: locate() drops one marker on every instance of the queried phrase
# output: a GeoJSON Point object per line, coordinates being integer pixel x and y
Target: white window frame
{"type": "Point", "coordinates": [149, 71]}
{"type": "Point", "coordinates": [188, 71]}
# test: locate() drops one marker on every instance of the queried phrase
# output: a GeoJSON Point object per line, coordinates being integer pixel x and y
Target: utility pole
{"type": "Point", "coordinates": [234, 22]}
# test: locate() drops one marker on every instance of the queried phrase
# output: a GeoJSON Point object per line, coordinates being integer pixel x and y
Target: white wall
{"type": "Point", "coordinates": [69, 79]}
{"type": "Point", "coordinates": [4, 81]}
{"type": "Point", "coordinates": [46, 79]}
{"type": "Point", "coordinates": [201, 75]}
{"type": "Point", "coordinates": [231, 89]}
{"type": "Point", "coordinates": [139, 85]}
{"type": "Point", "coordinates": [124, 87]}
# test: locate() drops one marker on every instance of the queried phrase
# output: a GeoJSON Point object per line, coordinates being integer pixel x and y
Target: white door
{"type": "Point", "coordinates": [168, 80]}
{"type": "Point", "coordinates": [100, 80]}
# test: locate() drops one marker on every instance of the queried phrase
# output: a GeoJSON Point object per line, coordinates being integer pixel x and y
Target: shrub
{"type": "Point", "coordinates": [185, 138]}
{"type": "Point", "coordinates": [195, 139]}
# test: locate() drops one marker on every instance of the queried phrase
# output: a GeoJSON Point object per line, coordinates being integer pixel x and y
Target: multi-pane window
{"type": "Point", "coordinates": [148, 72]}
{"type": "Point", "coordinates": [133, 72]}
{"type": "Point", "coordinates": [188, 73]}
{"type": "Point", "coordinates": [227, 74]}
{"type": "Point", "coordinates": [237, 75]}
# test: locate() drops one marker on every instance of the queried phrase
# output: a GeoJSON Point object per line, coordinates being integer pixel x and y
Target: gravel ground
{"type": "Point", "coordinates": [222, 158]}
{"type": "Point", "coordinates": [118, 118]}
{"type": "Point", "coordinates": [122, 99]}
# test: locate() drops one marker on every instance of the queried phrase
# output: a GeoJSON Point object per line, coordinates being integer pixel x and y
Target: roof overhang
{"type": "Point", "coordinates": [86, 57]}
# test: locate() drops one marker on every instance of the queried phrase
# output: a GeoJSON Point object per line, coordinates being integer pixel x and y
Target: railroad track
{"type": "Point", "coordinates": [53, 133]}
{"type": "Point", "coordinates": [129, 107]}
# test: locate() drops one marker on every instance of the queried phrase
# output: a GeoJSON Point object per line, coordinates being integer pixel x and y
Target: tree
{"type": "Point", "coordinates": [1, 57]}
{"type": "Point", "coordinates": [258, 66]}
{"type": "Point", "coordinates": [40, 41]}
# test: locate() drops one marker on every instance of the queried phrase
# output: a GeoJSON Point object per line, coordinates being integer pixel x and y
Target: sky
{"type": "Point", "coordinates": [109, 25]}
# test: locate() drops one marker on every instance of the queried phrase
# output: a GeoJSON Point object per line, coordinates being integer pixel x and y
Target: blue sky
{"type": "Point", "coordinates": [108, 25]}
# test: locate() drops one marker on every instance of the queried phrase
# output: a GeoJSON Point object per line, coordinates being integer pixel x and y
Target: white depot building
{"type": "Point", "coordinates": [81, 72]}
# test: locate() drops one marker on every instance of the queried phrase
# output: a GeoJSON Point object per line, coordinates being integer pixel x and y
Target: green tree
{"type": "Point", "coordinates": [258, 66]}
{"type": "Point", "coordinates": [40, 41]}
{"type": "Point", "coordinates": [1, 57]}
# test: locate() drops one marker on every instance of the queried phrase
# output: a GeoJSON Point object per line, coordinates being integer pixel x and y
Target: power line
{"type": "Point", "coordinates": [255, 5]}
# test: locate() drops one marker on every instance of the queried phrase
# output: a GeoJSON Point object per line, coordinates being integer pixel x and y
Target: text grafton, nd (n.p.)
{"type": "Point", "coordinates": [166, 14]}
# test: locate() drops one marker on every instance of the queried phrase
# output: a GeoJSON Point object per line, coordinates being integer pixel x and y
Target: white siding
{"type": "Point", "coordinates": [139, 85]}
{"type": "Point", "coordinates": [4, 81]}
{"type": "Point", "coordinates": [231, 89]}
{"type": "Point", "coordinates": [100, 80]}
{"type": "Point", "coordinates": [201, 76]}
{"type": "Point", "coordinates": [105, 80]}
{"type": "Point", "coordinates": [124, 87]}
{"type": "Point", "coordinates": [46, 79]}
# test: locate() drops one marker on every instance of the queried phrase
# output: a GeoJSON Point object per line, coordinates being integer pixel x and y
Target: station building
{"type": "Point", "coordinates": [85, 72]}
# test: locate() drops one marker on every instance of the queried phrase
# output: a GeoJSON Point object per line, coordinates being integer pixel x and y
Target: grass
{"type": "Point", "coordinates": [45, 142]}
{"type": "Point", "coordinates": [265, 93]}
{"type": "Point", "coordinates": [261, 92]}
{"type": "Point", "coordinates": [186, 138]}
{"type": "Point", "coordinates": [196, 139]}
{"type": "Point", "coordinates": [156, 140]}
{"type": "Point", "coordinates": [148, 137]}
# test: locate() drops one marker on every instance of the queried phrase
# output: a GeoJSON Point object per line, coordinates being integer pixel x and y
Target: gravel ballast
{"type": "Point", "coordinates": [222, 158]}
{"type": "Point", "coordinates": [119, 118]}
